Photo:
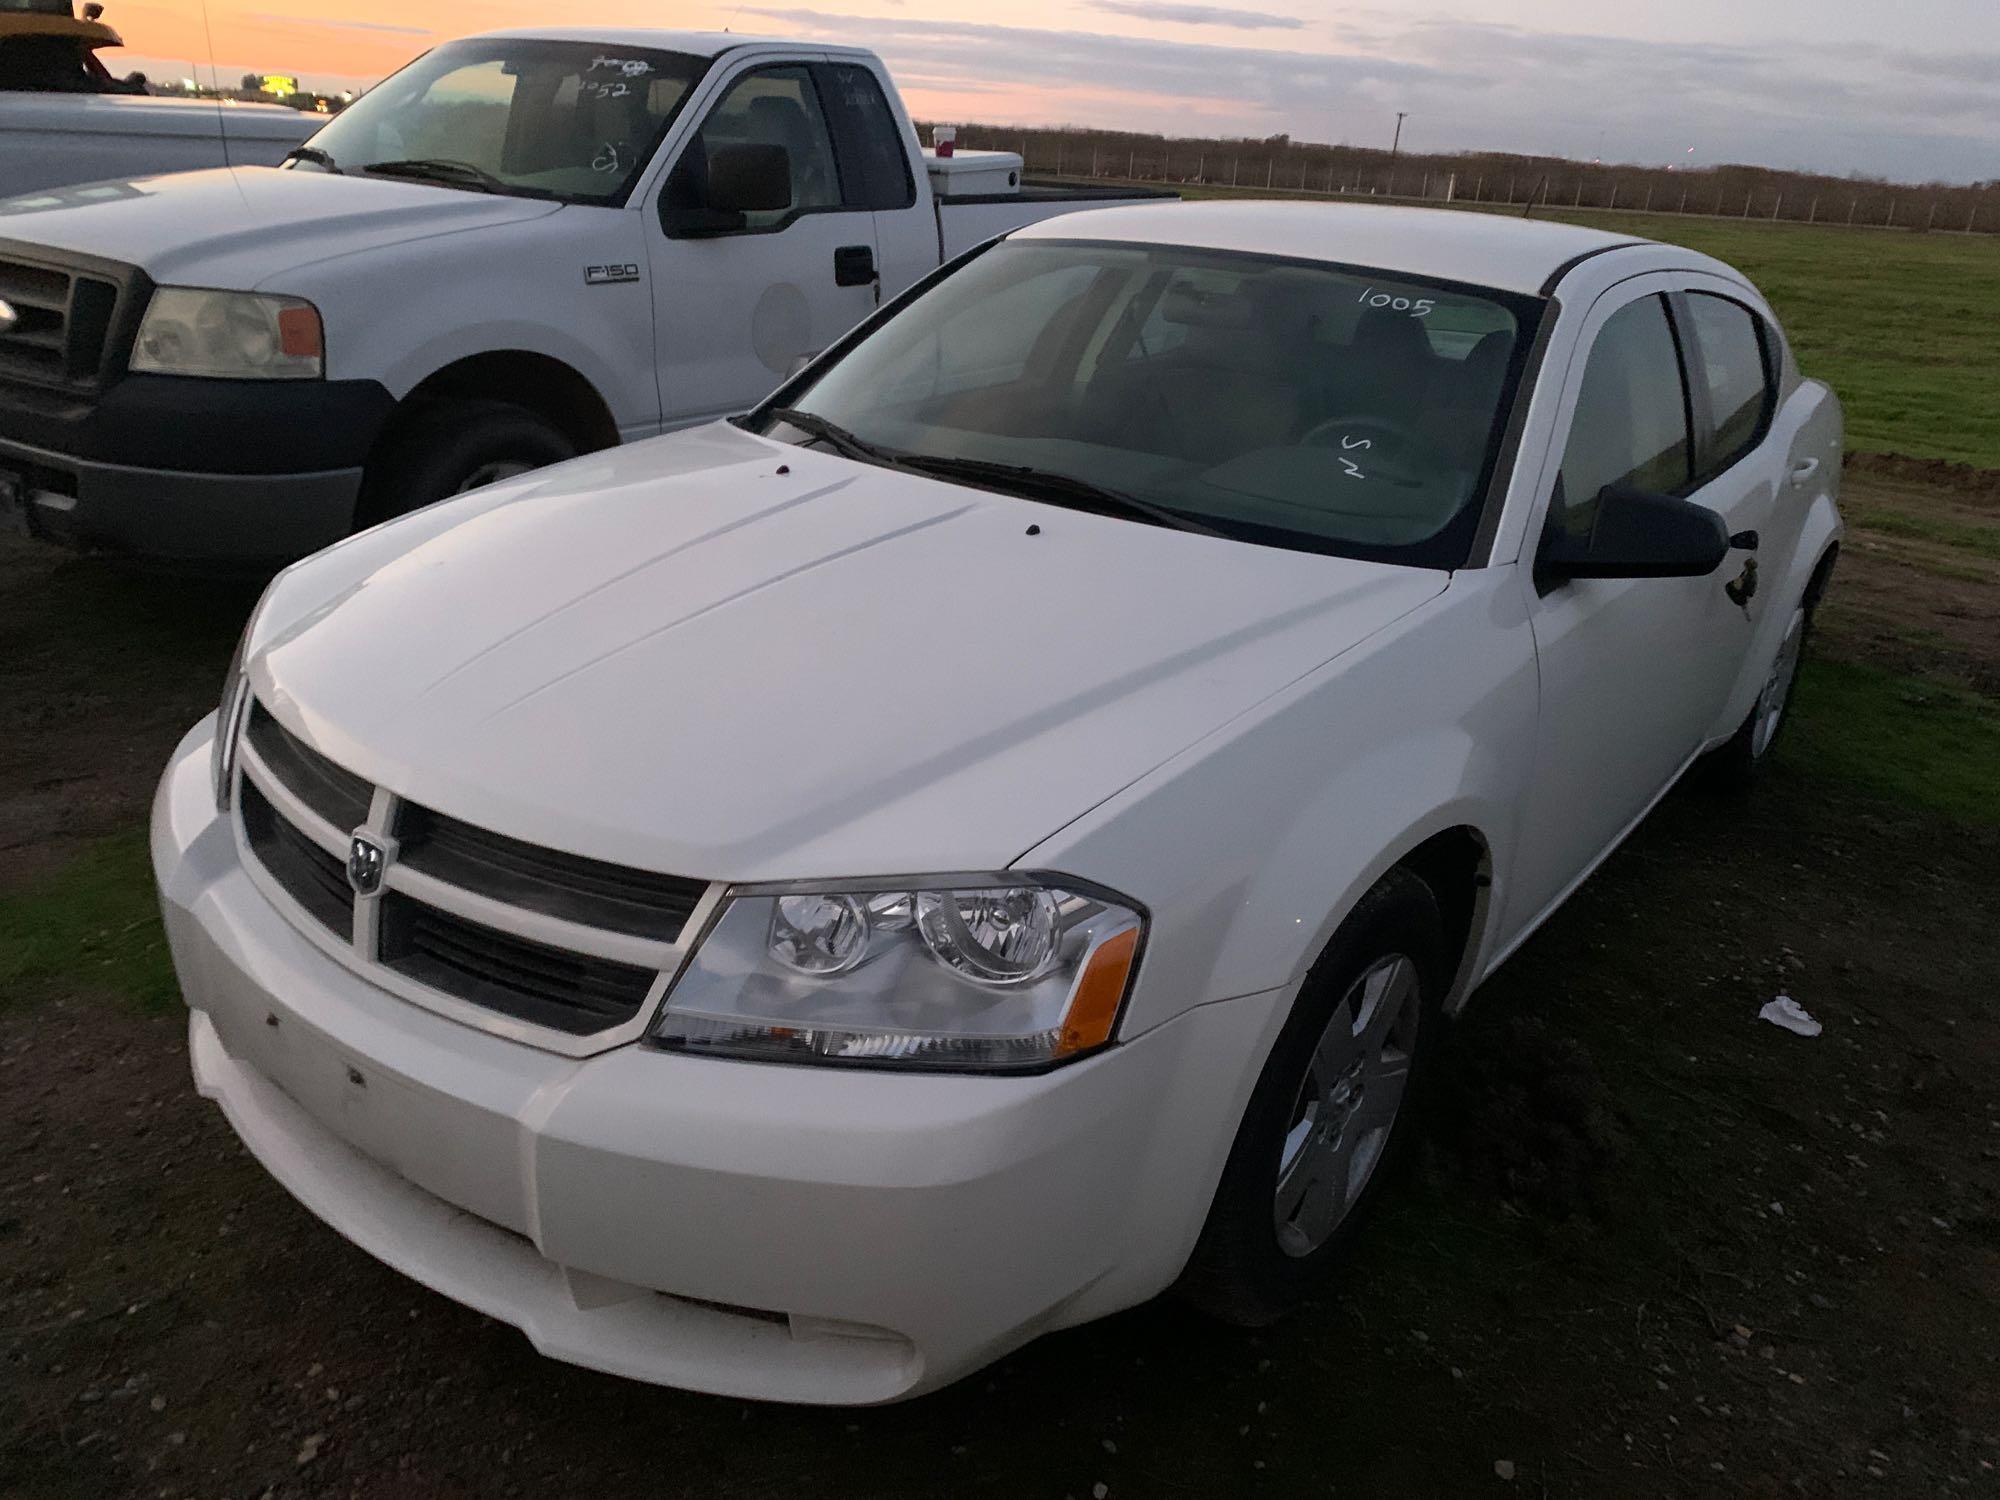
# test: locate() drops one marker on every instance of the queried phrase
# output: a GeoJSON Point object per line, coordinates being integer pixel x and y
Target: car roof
{"type": "Point", "coordinates": [697, 43]}
{"type": "Point", "coordinates": [1503, 251]}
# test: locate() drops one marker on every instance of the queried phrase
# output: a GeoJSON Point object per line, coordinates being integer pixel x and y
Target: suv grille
{"type": "Point", "coordinates": [557, 885]}
{"type": "Point", "coordinates": [337, 795]}
{"type": "Point", "coordinates": [311, 876]}
{"type": "Point", "coordinates": [552, 987]}
{"type": "Point", "coordinates": [431, 924]}
{"type": "Point", "coordinates": [64, 323]}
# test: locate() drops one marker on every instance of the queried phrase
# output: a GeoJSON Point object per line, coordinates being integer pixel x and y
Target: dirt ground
{"type": "Point", "coordinates": [1652, 1247]}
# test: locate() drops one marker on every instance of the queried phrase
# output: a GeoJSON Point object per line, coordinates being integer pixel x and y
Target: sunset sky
{"type": "Point", "coordinates": [1908, 90]}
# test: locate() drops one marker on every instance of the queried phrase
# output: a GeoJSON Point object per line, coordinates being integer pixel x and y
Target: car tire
{"type": "Point", "coordinates": [1736, 764]}
{"type": "Point", "coordinates": [451, 447]}
{"type": "Point", "coordinates": [1316, 1143]}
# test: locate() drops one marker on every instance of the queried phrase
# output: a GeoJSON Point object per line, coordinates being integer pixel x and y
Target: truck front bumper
{"type": "Point", "coordinates": [783, 1233]}
{"type": "Point", "coordinates": [191, 471]}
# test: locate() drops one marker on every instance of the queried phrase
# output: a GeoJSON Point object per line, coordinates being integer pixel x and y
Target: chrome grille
{"type": "Point", "coordinates": [555, 946]}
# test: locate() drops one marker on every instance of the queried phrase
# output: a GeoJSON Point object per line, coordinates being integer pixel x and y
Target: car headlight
{"type": "Point", "coordinates": [979, 974]}
{"type": "Point", "coordinates": [233, 335]}
{"type": "Point", "coordinates": [229, 724]}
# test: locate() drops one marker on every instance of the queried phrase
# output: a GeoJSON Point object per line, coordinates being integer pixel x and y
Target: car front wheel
{"type": "Point", "coordinates": [1331, 1111]}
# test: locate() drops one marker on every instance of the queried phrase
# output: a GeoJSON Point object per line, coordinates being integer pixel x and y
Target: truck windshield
{"type": "Point", "coordinates": [571, 120]}
{"type": "Point", "coordinates": [1291, 403]}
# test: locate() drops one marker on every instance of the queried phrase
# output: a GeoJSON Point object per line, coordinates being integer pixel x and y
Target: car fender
{"type": "Point", "coordinates": [401, 313]}
{"type": "Point", "coordinates": [1249, 852]}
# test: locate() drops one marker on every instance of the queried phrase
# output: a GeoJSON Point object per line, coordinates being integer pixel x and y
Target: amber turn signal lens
{"type": "Point", "coordinates": [299, 333]}
{"type": "Point", "coordinates": [1099, 993]}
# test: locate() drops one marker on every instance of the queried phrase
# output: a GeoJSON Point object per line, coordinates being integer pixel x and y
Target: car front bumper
{"type": "Point", "coordinates": [785, 1233]}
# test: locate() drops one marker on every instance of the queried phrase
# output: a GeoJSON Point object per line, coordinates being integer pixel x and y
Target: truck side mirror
{"type": "Point", "coordinates": [1637, 534]}
{"type": "Point", "coordinates": [713, 191]}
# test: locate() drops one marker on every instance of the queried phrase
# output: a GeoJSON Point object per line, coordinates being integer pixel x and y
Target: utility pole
{"type": "Point", "coordinates": [1396, 144]}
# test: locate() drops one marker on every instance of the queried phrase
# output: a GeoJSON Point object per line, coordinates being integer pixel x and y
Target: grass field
{"type": "Point", "coordinates": [1905, 326]}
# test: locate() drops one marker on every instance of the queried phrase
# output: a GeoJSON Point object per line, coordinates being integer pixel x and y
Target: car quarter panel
{"type": "Point", "coordinates": [1429, 724]}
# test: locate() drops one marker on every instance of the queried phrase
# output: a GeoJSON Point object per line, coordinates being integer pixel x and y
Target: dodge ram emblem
{"type": "Point", "coordinates": [8, 317]}
{"type": "Point", "coordinates": [366, 860]}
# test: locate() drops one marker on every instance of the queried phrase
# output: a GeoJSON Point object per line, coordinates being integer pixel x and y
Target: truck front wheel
{"type": "Point", "coordinates": [450, 447]}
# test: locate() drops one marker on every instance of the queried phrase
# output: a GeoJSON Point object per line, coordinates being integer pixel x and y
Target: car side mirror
{"type": "Point", "coordinates": [1637, 534]}
{"type": "Point", "coordinates": [741, 180]}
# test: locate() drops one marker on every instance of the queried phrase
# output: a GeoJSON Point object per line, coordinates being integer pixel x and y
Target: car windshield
{"type": "Point", "coordinates": [568, 120]}
{"type": "Point", "coordinates": [1298, 404]}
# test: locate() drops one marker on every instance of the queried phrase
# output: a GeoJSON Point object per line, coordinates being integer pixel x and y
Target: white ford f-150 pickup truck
{"type": "Point", "coordinates": [520, 247]}
{"type": "Point", "coordinates": [800, 907]}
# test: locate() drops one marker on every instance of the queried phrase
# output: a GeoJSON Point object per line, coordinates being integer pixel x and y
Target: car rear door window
{"type": "Point", "coordinates": [1735, 359]}
{"type": "Point", "coordinates": [1631, 422]}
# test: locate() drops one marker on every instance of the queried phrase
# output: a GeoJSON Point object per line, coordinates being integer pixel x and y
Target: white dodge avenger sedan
{"type": "Point", "coordinates": [800, 907]}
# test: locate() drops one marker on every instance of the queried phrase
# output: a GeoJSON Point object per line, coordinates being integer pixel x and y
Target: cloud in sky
{"type": "Point", "coordinates": [1833, 107]}
{"type": "Point", "coordinates": [1198, 15]}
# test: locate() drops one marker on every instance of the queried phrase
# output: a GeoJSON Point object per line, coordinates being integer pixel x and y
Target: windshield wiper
{"type": "Point", "coordinates": [316, 156]}
{"type": "Point", "coordinates": [838, 438]}
{"type": "Point", "coordinates": [437, 169]}
{"type": "Point", "coordinates": [1056, 488]}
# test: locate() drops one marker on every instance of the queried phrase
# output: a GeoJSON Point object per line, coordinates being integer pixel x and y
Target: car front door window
{"type": "Point", "coordinates": [1631, 423]}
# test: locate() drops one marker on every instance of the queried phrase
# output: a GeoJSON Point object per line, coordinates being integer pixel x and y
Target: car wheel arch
{"type": "Point", "coordinates": [549, 387]}
{"type": "Point", "coordinates": [1454, 858]}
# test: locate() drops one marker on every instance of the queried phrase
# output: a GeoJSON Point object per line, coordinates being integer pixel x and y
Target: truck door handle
{"type": "Point", "coordinates": [854, 265]}
{"type": "Point", "coordinates": [1804, 469]}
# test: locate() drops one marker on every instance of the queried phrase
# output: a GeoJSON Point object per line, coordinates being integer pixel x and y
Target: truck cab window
{"type": "Point", "coordinates": [770, 107]}
{"type": "Point", "coordinates": [1630, 426]}
{"type": "Point", "coordinates": [875, 165]}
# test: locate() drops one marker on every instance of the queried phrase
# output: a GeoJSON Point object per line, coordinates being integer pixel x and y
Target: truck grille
{"type": "Point", "coordinates": [556, 940]}
{"type": "Point", "coordinates": [62, 334]}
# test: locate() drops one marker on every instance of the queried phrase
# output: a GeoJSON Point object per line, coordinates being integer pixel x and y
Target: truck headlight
{"type": "Point", "coordinates": [1001, 973]}
{"type": "Point", "coordinates": [230, 335]}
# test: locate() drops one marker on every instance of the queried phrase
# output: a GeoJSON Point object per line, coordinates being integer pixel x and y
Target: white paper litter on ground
{"type": "Point", "coordinates": [1788, 1013]}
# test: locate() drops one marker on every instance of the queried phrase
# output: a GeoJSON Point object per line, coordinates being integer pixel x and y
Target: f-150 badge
{"type": "Point", "coordinates": [608, 274]}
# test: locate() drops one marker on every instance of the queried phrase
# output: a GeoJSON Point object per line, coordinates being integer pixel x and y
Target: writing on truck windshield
{"type": "Point", "coordinates": [1287, 402]}
{"type": "Point", "coordinates": [569, 120]}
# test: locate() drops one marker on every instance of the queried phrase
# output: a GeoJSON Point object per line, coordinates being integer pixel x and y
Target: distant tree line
{"type": "Point", "coordinates": [1280, 164]}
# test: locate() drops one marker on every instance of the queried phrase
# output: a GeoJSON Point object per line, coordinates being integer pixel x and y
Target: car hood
{"type": "Point", "coordinates": [235, 227]}
{"type": "Point", "coordinates": [718, 656]}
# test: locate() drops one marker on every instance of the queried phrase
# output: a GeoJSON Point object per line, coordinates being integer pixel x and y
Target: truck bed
{"type": "Point", "coordinates": [968, 219]}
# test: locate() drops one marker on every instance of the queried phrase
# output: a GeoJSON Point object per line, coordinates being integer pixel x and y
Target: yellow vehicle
{"type": "Point", "coordinates": [46, 49]}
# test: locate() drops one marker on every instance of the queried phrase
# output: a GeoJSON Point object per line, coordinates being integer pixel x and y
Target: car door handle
{"type": "Point", "coordinates": [1804, 469]}
{"type": "Point", "coordinates": [854, 265]}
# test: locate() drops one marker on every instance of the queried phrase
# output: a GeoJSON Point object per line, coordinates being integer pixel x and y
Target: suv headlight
{"type": "Point", "coordinates": [1001, 973]}
{"type": "Point", "coordinates": [232, 335]}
